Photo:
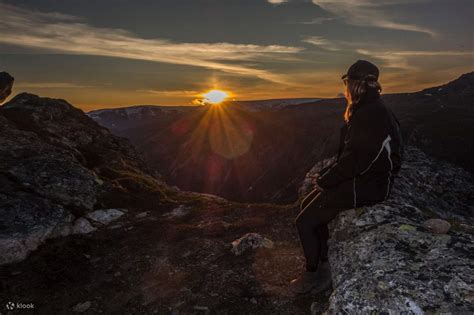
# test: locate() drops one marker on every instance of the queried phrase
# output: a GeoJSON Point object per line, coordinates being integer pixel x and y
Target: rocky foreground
{"type": "Point", "coordinates": [87, 227]}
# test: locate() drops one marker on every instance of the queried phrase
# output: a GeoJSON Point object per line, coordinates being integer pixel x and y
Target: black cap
{"type": "Point", "coordinates": [361, 70]}
{"type": "Point", "coordinates": [5, 80]}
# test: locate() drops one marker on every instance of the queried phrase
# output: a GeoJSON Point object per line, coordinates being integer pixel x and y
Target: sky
{"type": "Point", "coordinates": [114, 53]}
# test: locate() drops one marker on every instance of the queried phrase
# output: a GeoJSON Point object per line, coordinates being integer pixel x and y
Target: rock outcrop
{"type": "Point", "coordinates": [385, 258]}
{"type": "Point", "coordinates": [56, 165]}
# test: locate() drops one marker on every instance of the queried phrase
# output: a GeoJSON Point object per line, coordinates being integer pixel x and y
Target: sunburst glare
{"type": "Point", "coordinates": [215, 96]}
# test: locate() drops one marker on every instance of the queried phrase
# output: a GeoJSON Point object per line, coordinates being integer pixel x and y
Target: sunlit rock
{"type": "Point", "coordinates": [250, 241]}
{"type": "Point", "coordinates": [178, 212]}
{"type": "Point", "coordinates": [82, 226]}
{"type": "Point", "coordinates": [105, 216]}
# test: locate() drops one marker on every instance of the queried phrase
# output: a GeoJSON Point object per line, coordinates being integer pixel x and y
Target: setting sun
{"type": "Point", "coordinates": [215, 96]}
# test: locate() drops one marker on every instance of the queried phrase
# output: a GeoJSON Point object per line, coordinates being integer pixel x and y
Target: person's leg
{"type": "Point", "coordinates": [313, 230]}
{"type": "Point", "coordinates": [309, 198]}
{"type": "Point", "coordinates": [311, 223]}
{"type": "Point", "coordinates": [313, 237]}
{"type": "Point", "coordinates": [313, 219]}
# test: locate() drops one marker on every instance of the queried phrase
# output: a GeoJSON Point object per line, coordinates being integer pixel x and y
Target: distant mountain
{"type": "Point", "coordinates": [274, 104]}
{"type": "Point", "coordinates": [128, 117]}
{"type": "Point", "coordinates": [440, 120]}
{"type": "Point", "coordinates": [263, 155]}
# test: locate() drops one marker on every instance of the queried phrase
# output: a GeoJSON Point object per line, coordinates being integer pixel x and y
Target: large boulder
{"type": "Point", "coordinates": [39, 183]}
{"type": "Point", "coordinates": [57, 165]}
{"type": "Point", "coordinates": [385, 259]}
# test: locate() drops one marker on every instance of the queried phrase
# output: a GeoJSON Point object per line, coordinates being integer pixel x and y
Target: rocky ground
{"type": "Point", "coordinates": [160, 262]}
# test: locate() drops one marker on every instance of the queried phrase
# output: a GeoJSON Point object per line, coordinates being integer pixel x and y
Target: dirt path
{"type": "Point", "coordinates": [165, 264]}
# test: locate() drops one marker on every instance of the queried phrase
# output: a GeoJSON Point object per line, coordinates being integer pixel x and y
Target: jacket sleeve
{"type": "Point", "coordinates": [344, 168]}
{"type": "Point", "coordinates": [342, 137]}
{"type": "Point", "coordinates": [363, 142]}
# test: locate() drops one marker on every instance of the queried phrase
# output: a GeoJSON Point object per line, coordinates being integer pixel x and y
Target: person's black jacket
{"type": "Point", "coordinates": [370, 153]}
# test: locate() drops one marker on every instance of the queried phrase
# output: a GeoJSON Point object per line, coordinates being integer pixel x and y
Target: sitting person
{"type": "Point", "coordinates": [369, 157]}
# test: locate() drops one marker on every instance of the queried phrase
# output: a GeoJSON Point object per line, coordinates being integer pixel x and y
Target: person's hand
{"type": "Point", "coordinates": [318, 187]}
{"type": "Point", "coordinates": [5, 92]}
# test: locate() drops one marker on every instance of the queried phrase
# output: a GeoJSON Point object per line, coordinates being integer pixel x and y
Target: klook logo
{"type": "Point", "coordinates": [10, 306]}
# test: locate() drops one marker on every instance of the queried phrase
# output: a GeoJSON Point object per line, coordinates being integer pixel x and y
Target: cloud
{"type": "Point", "coordinates": [370, 13]}
{"type": "Point", "coordinates": [400, 59]}
{"type": "Point", "coordinates": [336, 44]}
{"type": "Point", "coordinates": [319, 20]}
{"type": "Point", "coordinates": [323, 43]}
{"type": "Point", "coordinates": [170, 93]}
{"type": "Point", "coordinates": [277, 1]}
{"type": "Point", "coordinates": [69, 35]}
{"type": "Point", "coordinates": [51, 85]}
{"type": "Point", "coordinates": [391, 58]}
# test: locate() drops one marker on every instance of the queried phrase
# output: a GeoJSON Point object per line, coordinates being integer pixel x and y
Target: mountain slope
{"type": "Point", "coordinates": [130, 117]}
{"type": "Point", "coordinates": [236, 153]}
{"type": "Point", "coordinates": [440, 120]}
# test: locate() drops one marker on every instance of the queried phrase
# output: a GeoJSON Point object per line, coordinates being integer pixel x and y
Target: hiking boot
{"type": "Point", "coordinates": [315, 282]}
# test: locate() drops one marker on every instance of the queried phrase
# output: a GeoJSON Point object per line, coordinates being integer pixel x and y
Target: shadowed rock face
{"type": "Point", "coordinates": [384, 258]}
{"type": "Point", "coordinates": [56, 164]}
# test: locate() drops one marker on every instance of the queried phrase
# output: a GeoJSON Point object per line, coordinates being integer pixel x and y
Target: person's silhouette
{"type": "Point", "coordinates": [6, 85]}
